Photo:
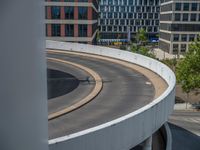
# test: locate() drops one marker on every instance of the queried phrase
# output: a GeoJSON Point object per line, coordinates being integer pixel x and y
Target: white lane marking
{"type": "Point", "coordinates": [148, 83]}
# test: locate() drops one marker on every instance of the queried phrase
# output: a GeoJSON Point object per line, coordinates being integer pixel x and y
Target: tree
{"type": "Point", "coordinates": [98, 37]}
{"type": "Point", "coordinates": [170, 63]}
{"type": "Point", "coordinates": [188, 69]}
{"type": "Point", "coordinates": [142, 50]}
{"type": "Point", "coordinates": [134, 48]}
{"type": "Point", "coordinates": [141, 37]}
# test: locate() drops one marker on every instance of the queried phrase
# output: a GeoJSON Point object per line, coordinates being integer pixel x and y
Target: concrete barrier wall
{"type": "Point", "coordinates": [127, 131]}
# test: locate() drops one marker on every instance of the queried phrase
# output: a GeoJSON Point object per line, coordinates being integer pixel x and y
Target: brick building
{"type": "Point", "coordinates": [72, 20]}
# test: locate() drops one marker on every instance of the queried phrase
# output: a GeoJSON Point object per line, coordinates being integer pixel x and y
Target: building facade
{"type": "Point", "coordinates": [72, 20]}
{"type": "Point", "coordinates": [121, 18]}
{"type": "Point", "coordinates": [179, 25]}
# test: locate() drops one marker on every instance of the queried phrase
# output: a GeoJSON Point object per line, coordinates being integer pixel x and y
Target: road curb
{"type": "Point", "coordinates": [97, 88]}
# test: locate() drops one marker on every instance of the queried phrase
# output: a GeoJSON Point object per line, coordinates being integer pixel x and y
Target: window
{"type": "Point", "coordinates": [55, 12]}
{"type": "Point", "coordinates": [122, 22]}
{"type": "Point", "coordinates": [115, 28]}
{"type": "Point", "coordinates": [184, 37]}
{"type": "Point", "coordinates": [110, 28]}
{"type": "Point", "coordinates": [125, 29]}
{"type": "Point", "coordinates": [82, 12]}
{"type": "Point", "coordinates": [104, 28]}
{"type": "Point", "coordinates": [69, 30]}
{"type": "Point", "coordinates": [82, 30]}
{"type": "Point", "coordinates": [183, 48]}
{"type": "Point", "coordinates": [177, 17]}
{"type": "Point", "coordinates": [111, 22]}
{"type": "Point", "coordinates": [69, 12]}
{"type": "Point", "coordinates": [150, 15]}
{"type": "Point", "coordinates": [185, 17]}
{"type": "Point", "coordinates": [175, 48]}
{"type": "Point", "coordinates": [55, 29]}
{"type": "Point", "coordinates": [176, 37]}
{"type": "Point", "coordinates": [191, 37]}
{"type": "Point", "coordinates": [109, 15]}
{"type": "Point", "coordinates": [193, 17]}
{"type": "Point", "coordinates": [194, 7]}
{"type": "Point", "coordinates": [178, 7]}
{"type": "Point", "coordinates": [186, 6]}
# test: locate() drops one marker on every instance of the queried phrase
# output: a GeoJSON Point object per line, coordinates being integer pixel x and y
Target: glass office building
{"type": "Point", "coordinates": [120, 18]}
{"type": "Point", "coordinates": [72, 20]}
{"type": "Point", "coordinates": [179, 25]}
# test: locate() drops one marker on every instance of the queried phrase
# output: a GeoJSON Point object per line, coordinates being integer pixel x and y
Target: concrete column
{"type": "Point", "coordinates": [147, 145]}
{"type": "Point", "coordinates": [23, 90]}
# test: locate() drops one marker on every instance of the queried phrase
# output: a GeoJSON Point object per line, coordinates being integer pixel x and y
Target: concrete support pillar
{"type": "Point", "coordinates": [147, 145]}
{"type": "Point", "coordinates": [23, 90]}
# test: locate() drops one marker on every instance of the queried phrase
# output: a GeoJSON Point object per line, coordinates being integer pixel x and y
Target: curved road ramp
{"type": "Point", "coordinates": [131, 129]}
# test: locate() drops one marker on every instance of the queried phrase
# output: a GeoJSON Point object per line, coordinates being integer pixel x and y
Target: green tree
{"type": "Point", "coordinates": [141, 50]}
{"type": "Point", "coordinates": [170, 63]}
{"type": "Point", "coordinates": [134, 48]}
{"type": "Point", "coordinates": [98, 36]}
{"type": "Point", "coordinates": [141, 37]}
{"type": "Point", "coordinates": [188, 69]}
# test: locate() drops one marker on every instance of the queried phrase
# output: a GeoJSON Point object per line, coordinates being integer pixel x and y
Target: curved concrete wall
{"type": "Point", "coordinates": [127, 131]}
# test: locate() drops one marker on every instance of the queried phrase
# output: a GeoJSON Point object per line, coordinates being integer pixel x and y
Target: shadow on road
{"type": "Point", "coordinates": [183, 139]}
{"type": "Point", "coordinates": [60, 83]}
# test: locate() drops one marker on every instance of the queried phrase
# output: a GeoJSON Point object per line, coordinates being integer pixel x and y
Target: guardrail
{"type": "Point", "coordinates": [127, 131]}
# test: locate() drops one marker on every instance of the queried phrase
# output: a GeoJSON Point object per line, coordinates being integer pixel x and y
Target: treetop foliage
{"type": "Point", "coordinates": [188, 69]}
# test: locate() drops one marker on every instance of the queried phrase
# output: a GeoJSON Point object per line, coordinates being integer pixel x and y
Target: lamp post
{"type": "Point", "coordinates": [23, 84]}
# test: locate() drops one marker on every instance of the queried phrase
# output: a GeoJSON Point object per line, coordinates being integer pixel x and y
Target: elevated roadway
{"type": "Point", "coordinates": [124, 91]}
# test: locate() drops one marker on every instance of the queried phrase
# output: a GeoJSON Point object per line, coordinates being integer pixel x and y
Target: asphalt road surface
{"type": "Point", "coordinates": [183, 139]}
{"type": "Point", "coordinates": [124, 91]}
{"type": "Point", "coordinates": [189, 120]}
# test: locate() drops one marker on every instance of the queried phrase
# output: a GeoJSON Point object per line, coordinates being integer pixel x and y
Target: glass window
{"type": "Point", "coordinates": [111, 22]}
{"type": "Point", "coordinates": [186, 6]}
{"type": "Point", "coordinates": [104, 28]}
{"type": "Point", "coordinates": [55, 29]}
{"type": "Point", "coordinates": [120, 28]}
{"type": "Point", "coordinates": [55, 12]}
{"type": "Point", "coordinates": [185, 17]}
{"type": "Point", "coordinates": [178, 7]}
{"type": "Point", "coordinates": [183, 48]}
{"type": "Point", "coordinates": [184, 37]}
{"type": "Point", "coordinates": [122, 22]}
{"type": "Point", "coordinates": [82, 12]}
{"type": "Point", "coordinates": [193, 17]}
{"type": "Point", "coordinates": [175, 48]}
{"type": "Point", "coordinates": [69, 12]}
{"type": "Point", "coordinates": [177, 17]}
{"type": "Point", "coordinates": [69, 30]}
{"type": "Point", "coordinates": [194, 7]}
{"type": "Point", "coordinates": [82, 30]}
{"type": "Point", "coordinates": [125, 29]}
{"type": "Point", "coordinates": [191, 37]}
{"type": "Point", "coordinates": [109, 15]}
{"type": "Point", "coordinates": [115, 28]}
{"type": "Point", "coordinates": [110, 28]}
{"type": "Point", "coordinates": [176, 37]}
